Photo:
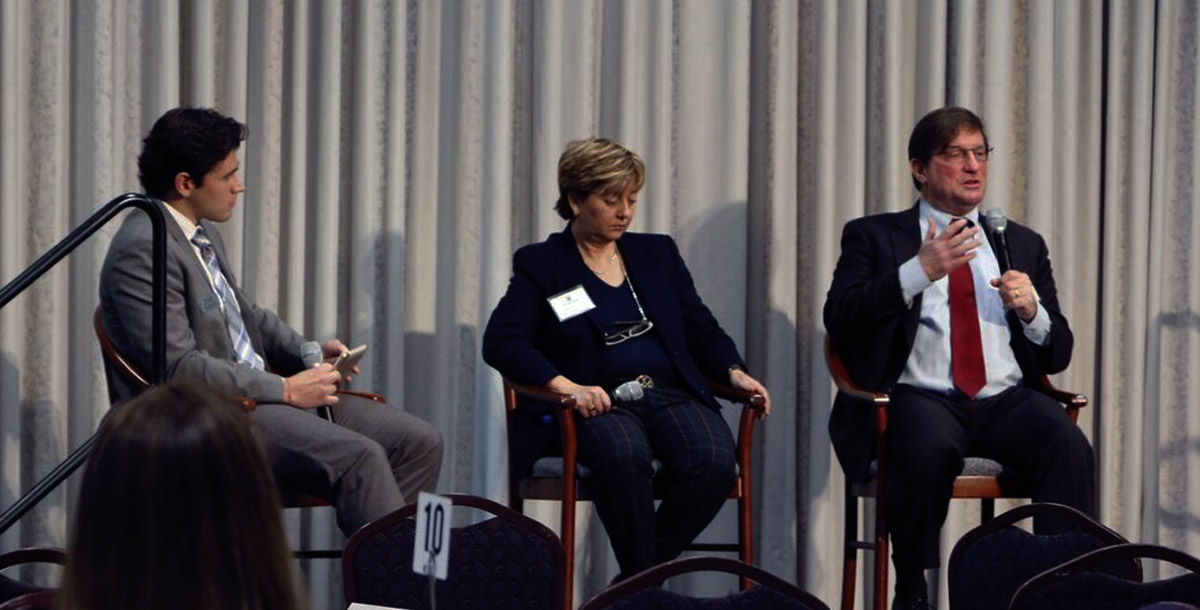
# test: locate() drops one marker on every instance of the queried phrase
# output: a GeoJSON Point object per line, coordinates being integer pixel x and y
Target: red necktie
{"type": "Point", "coordinates": [966, 343]}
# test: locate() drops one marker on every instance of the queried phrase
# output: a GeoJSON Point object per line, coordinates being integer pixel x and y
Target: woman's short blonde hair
{"type": "Point", "coordinates": [596, 165]}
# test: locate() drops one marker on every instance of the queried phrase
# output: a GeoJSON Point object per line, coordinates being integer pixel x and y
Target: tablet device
{"type": "Point", "coordinates": [345, 363]}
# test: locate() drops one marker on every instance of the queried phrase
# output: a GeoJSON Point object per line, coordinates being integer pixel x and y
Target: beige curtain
{"type": "Point", "coordinates": [400, 151]}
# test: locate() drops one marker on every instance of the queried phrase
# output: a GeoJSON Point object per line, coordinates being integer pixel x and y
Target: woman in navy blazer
{"type": "Point", "coordinates": [595, 306]}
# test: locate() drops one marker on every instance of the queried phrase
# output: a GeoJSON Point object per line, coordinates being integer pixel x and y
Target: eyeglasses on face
{"type": "Point", "coordinates": [632, 329]}
{"type": "Point", "coordinates": [955, 155]}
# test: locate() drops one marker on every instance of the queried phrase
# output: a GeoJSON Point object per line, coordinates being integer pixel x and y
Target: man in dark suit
{"type": "Point", "coordinates": [919, 308]}
{"type": "Point", "coordinates": [375, 458]}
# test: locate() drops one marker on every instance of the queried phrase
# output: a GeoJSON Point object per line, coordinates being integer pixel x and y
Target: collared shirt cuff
{"type": "Point", "coordinates": [1038, 329]}
{"type": "Point", "coordinates": [913, 280]}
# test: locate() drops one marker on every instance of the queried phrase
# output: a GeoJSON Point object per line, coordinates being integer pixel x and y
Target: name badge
{"type": "Point", "coordinates": [570, 303]}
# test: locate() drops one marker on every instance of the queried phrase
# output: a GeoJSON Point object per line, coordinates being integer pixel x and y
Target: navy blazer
{"type": "Point", "coordinates": [525, 341]}
{"type": "Point", "coordinates": [873, 331]}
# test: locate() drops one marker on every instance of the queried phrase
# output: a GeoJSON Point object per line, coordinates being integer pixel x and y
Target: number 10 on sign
{"type": "Point", "coordinates": [431, 548]}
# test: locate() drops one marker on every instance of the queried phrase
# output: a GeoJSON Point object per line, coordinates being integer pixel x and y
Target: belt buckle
{"type": "Point", "coordinates": [645, 381]}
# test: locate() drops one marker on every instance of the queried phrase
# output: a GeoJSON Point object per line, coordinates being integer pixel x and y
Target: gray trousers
{"type": "Point", "coordinates": [371, 460]}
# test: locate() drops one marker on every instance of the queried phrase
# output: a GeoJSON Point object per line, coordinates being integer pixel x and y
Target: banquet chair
{"type": "Point", "coordinates": [564, 480]}
{"type": "Point", "coordinates": [992, 560]}
{"type": "Point", "coordinates": [508, 561]}
{"type": "Point", "coordinates": [981, 479]}
{"type": "Point", "coordinates": [37, 600]}
{"type": "Point", "coordinates": [1082, 583]}
{"type": "Point", "coordinates": [11, 589]}
{"type": "Point", "coordinates": [644, 591]}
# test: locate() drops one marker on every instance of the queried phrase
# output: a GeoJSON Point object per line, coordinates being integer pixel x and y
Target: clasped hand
{"type": "Point", "coordinates": [590, 400]}
{"type": "Point", "coordinates": [1017, 292]}
{"type": "Point", "coordinates": [318, 386]}
{"type": "Point", "coordinates": [315, 387]}
{"type": "Point", "coordinates": [743, 381]}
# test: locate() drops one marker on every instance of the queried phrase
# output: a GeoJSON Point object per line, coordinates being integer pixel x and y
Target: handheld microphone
{"type": "Point", "coordinates": [998, 223]}
{"type": "Point", "coordinates": [310, 354]}
{"type": "Point", "coordinates": [629, 391]}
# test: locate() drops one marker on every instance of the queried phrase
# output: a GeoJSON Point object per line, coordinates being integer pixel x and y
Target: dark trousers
{"type": "Point", "coordinates": [696, 450]}
{"type": "Point", "coordinates": [928, 436]}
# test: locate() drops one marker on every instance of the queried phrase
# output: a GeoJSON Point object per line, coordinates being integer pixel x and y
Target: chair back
{"type": "Point", "coordinates": [990, 562]}
{"type": "Point", "coordinates": [509, 561]}
{"type": "Point", "coordinates": [115, 364]}
{"type": "Point", "coordinates": [837, 368]}
{"type": "Point", "coordinates": [11, 589]}
{"type": "Point", "coordinates": [1084, 582]}
{"type": "Point", "coordinates": [38, 600]}
{"type": "Point", "coordinates": [643, 591]}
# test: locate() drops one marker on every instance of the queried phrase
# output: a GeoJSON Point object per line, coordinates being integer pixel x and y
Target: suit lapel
{"type": "Point", "coordinates": [198, 291]}
{"type": "Point", "coordinates": [906, 242]}
{"type": "Point", "coordinates": [219, 247]}
{"type": "Point", "coordinates": [244, 308]}
{"type": "Point", "coordinates": [188, 253]}
{"type": "Point", "coordinates": [1014, 323]}
{"type": "Point", "coordinates": [636, 268]}
{"type": "Point", "coordinates": [184, 245]}
{"type": "Point", "coordinates": [571, 271]}
{"type": "Point", "coordinates": [989, 234]}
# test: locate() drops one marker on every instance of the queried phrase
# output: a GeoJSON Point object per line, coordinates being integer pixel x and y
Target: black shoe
{"type": "Point", "coordinates": [915, 603]}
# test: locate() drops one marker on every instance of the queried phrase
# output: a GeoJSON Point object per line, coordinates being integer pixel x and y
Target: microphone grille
{"type": "Point", "coordinates": [629, 391]}
{"type": "Point", "coordinates": [995, 219]}
{"type": "Point", "coordinates": [310, 353]}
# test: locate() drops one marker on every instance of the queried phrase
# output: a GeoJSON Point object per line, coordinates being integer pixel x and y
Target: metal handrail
{"type": "Point", "coordinates": [158, 321]}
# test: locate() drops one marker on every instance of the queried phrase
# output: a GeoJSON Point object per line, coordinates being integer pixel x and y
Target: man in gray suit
{"type": "Point", "coordinates": [371, 459]}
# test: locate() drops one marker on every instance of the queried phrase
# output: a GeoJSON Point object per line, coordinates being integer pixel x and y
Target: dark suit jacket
{"type": "Point", "coordinates": [198, 343]}
{"type": "Point", "coordinates": [873, 331]}
{"type": "Point", "coordinates": [525, 341]}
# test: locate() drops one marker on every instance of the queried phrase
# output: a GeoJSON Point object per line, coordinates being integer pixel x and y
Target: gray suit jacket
{"type": "Point", "coordinates": [198, 343]}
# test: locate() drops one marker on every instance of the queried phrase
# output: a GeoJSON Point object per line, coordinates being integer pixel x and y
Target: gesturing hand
{"type": "Point", "coordinates": [942, 253]}
{"type": "Point", "coordinates": [315, 387]}
{"type": "Point", "coordinates": [590, 400]}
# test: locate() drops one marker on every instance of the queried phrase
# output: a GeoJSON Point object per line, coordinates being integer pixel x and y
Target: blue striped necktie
{"type": "Point", "coordinates": [233, 317]}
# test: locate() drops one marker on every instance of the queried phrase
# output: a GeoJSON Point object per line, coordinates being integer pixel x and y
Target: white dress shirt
{"type": "Point", "coordinates": [928, 365]}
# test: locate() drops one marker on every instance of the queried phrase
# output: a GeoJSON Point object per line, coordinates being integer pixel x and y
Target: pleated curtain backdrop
{"type": "Point", "coordinates": [399, 152]}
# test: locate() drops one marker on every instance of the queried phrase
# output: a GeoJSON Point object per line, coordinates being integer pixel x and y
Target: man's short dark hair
{"type": "Point", "coordinates": [191, 140]}
{"type": "Point", "coordinates": [934, 132]}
